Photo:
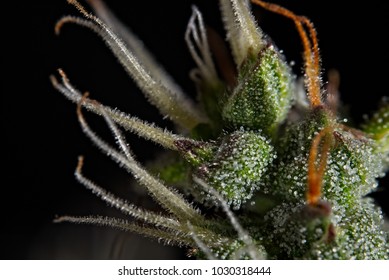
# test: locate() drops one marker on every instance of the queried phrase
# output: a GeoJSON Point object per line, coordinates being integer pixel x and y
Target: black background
{"type": "Point", "coordinates": [42, 138]}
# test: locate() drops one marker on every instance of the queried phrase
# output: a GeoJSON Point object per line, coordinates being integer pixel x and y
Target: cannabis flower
{"type": "Point", "coordinates": [272, 157]}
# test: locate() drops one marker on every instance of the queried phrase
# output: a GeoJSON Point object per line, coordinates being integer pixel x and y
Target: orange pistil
{"type": "Point", "coordinates": [79, 106]}
{"type": "Point", "coordinates": [311, 49]}
{"type": "Point", "coordinates": [80, 163]}
{"type": "Point", "coordinates": [316, 173]}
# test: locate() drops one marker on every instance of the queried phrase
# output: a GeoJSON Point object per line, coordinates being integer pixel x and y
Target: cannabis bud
{"type": "Point", "coordinates": [276, 161]}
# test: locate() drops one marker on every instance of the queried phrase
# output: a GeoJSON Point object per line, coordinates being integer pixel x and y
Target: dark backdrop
{"type": "Point", "coordinates": [42, 138]}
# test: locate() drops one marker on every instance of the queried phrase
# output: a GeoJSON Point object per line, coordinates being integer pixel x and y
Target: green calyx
{"type": "Point", "coordinates": [263, 95]}
{"type": "Point", "coordinates": [358, 236]}
{"type": "Point", "coordinates": [288, 175]}
{"type": "Point", "coordinates": [237, 167]}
